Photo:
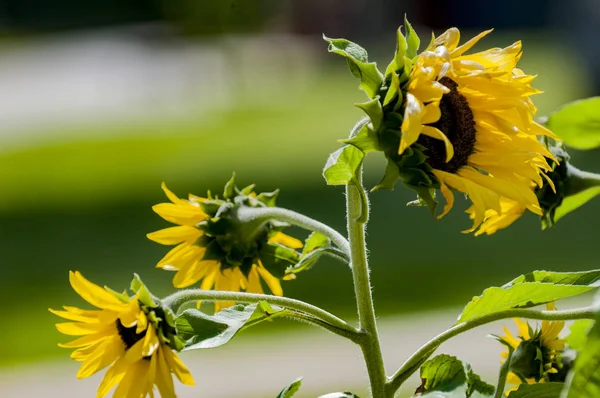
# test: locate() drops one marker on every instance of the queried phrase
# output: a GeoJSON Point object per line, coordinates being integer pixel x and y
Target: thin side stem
{"type": "Point", "coordinates": [355, 336]}
{"type": "Point", "coordinates": [504, 369]}
{"type": "Point", "coordinates": [177, 299]}
{"type": "Point", "coordinates": [371, 347]}
{"type": "Point", "coordinates": [428, 349]}
{"type": "Point", "coordinates": [300, 220]}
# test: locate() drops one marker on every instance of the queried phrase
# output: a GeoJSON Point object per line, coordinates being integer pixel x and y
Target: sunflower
{"type": "Point", "coordinates": [213, 248]}
{"type": "Point", "coordinates": [537, 353]}
{"type": "Point", "coordinates": [126, 335]}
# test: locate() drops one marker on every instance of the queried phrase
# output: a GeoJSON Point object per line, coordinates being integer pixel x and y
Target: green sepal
{"type": "Point", "coordinates": [370, 77]}
{"type": "Point", "coordinates": [577, 123]}
{"type": "Point", "coordinates": [529, 290]}
{"type": "Point", "coordinates": [394, 92]}
{"type": "Point", "coordinates": [144, 295]}
{"type": "Point", "coordinates": [247, 190]}
{"type": "Point", "coordinates": [229, 190]}
{"type": "Point", "coordinates": [398, 61]}
{"type": "Point", "coordinates": [268, 198]}
{"type": "Point", "coordinates": [211, 206]}
{"type": "Point", "coordinates": [391, 175]}
{"type": "Point", "coordinates": [291, 390]}
{"type": "Point", "coordinates": [122, 296]}
{"type": "Point", "coordinates": [200, 330]}
{"type": "Point", "coordinates": [373, 110]}
{"type": "Point", "coordinates": [366, 140]}
{"type": "Point", "coordinates": [540, 390]}
{"type": "Point", "coordinates": [342, 165]}
{"type": "Point", "coordinates": [412, 40]}
{"type": "Point", "coordinates": [426, 197]}
{"type": "Point", "coordinates": [277, 258]}
{"type": "Point", "coordinates": [415, 177]}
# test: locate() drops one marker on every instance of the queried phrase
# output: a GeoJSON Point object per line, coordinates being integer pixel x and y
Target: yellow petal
{"type": "Point", "coordinates": [437, 134]}
{"type": "Point", "coordinates": [286, 240]}
{"type": "Point", "coordinates": [94, 294]}
{"type": "Point", "coordinates": [105, 354]}
{"type": "Point", "coordinates": [178, 368]}
{"type": "Point", "coordinates": [271, 281]}
{"type": "Point", "coordinates": [468, 45]}
{"type": "Point", "coordinates": [175, 235]}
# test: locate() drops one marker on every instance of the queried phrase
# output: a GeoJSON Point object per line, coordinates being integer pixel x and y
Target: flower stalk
{"type": "Point", "coordinates": [408, 368]}
{"type": "Point", "coordinates": [357, 205]}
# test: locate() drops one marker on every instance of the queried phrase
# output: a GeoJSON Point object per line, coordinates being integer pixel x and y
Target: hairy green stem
{"type": "Point", "coordinates": [504, 369]}
{"type": "Point", "coordinates": [177, 299]}
{"type": "Point", "coordinates": [428, 349]}
{"type": "Point", "coordinates": [371, 348]}
{"type": "Point", "coordinates": [300, 220]}
{"type": "Point", "coordinates": [579, 180]}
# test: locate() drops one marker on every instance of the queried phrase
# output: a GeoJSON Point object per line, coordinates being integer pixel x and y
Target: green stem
{"type": "Point", "coordinates": [504, 373]}
{"type": "Point", "coordinates": [177, 299]}
{"type": "Point", "coordinates": [579, 180]}
{"type": "Point", "coordinates": [250, 214]}
{"type": "Point", "coordinates": [428, 349]}
{"type": "Point", "coordinates": [357, 205]}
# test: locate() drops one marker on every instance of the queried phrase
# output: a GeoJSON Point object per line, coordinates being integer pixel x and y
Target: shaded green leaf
{"type": "Point", "coordinates": [342, 165]}
{"type": "Point", "coordinates": [370, 77]}
{"type": "Point", "coordinates": [520, 293]}
{"type": "Point", "coordinates": [443, 373]}
{"type": "Point", "coordinates": [540, 390]}
{"type": "Point", "coordinates": [290, 390]}
{"type": "Point", "coordinates": [578, 333]}
{"type": "Point", "coordinates": [208, 331]}
{"type": "Point", "coordinates": [578, 123]}
{"type": "Point", "coordinates": [315, 246]}
{"type": "Point", "coordinates": [573, 202]}
{"type": "Point", "coordinates": [476, 386]}
{"type": "Point", "coordinates": [583, 380]}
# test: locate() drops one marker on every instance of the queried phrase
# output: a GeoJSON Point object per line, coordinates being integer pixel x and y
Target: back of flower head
{"type": "Point", "coordinates": [215, 246]}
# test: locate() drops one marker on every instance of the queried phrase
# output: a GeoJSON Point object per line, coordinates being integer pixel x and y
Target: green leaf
{"type": "Point", "coordinates": [578, 123]}
{"type": "Point", "coordinates": [412, 40]}
{"type": "Point", "coordinates": [345, 394]}
{"type": "Point", "coordinates": [342, 165]}
{"type": "Point", "coordinates": [277, 258]}
{"type": "Point", "coordinates": [208, 331]}
{"type": "Point", "coordinates": [366, 140]}
{"type": "Point", "coordinates": [370, 77]}
{"type": "Point", "coordinates": [475, 385]}
{"type": "Point", "coordinates": [443, 373]}
{"type": "Point", "coordinates": [529, 290]}
{"type": "Point", "coordinates": [540, 390]}
{"type": "Point", "coordinates": [583, 380]}
{"type": "Point", "coordinates": [315, 246]}
{"type": "Point", "coordinates": [290, 390]}
{"type": "Point", "coordinates": [573, 202]}
{"type": "Point", "coordinates": [578, 333]}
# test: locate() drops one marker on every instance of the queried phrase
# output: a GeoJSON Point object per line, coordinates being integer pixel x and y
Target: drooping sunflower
{"type": "Point", "coordinates": [537, 356]}
{"type": "Point", "coordinates": [474, 116]}
{"type": "Point", "coordinates": [213, 248]}
{"type": "Point", "coordinates": [130, 335]}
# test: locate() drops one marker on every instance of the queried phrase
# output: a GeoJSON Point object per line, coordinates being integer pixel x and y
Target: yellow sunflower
{"type": "Point", "coordinates": [473, 115]}
{"type": "Point", "coordinates": [212, 248]}
{"type": "Point", "coordinates": [537, 353]}
{"type": "Point", "coordinates": [125, 335]}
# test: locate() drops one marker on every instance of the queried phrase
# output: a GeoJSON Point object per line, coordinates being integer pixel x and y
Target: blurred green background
{"type": "Point", "coordinates": [78, 182]}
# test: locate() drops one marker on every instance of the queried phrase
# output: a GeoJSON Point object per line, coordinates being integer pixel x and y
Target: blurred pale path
{"type": "Point", "coordinates": [260, 366]}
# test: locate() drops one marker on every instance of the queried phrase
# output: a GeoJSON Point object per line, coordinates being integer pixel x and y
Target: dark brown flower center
{"type": "Point", "coordinates": [128, 335]}
{"type": "Point", "coordinates": [458, 124]}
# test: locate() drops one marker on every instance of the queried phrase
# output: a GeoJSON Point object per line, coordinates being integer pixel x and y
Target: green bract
{"type": "Point", "coordinates": [383, 131]}
{"type": "Point", "coordinates": [237, 243]}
